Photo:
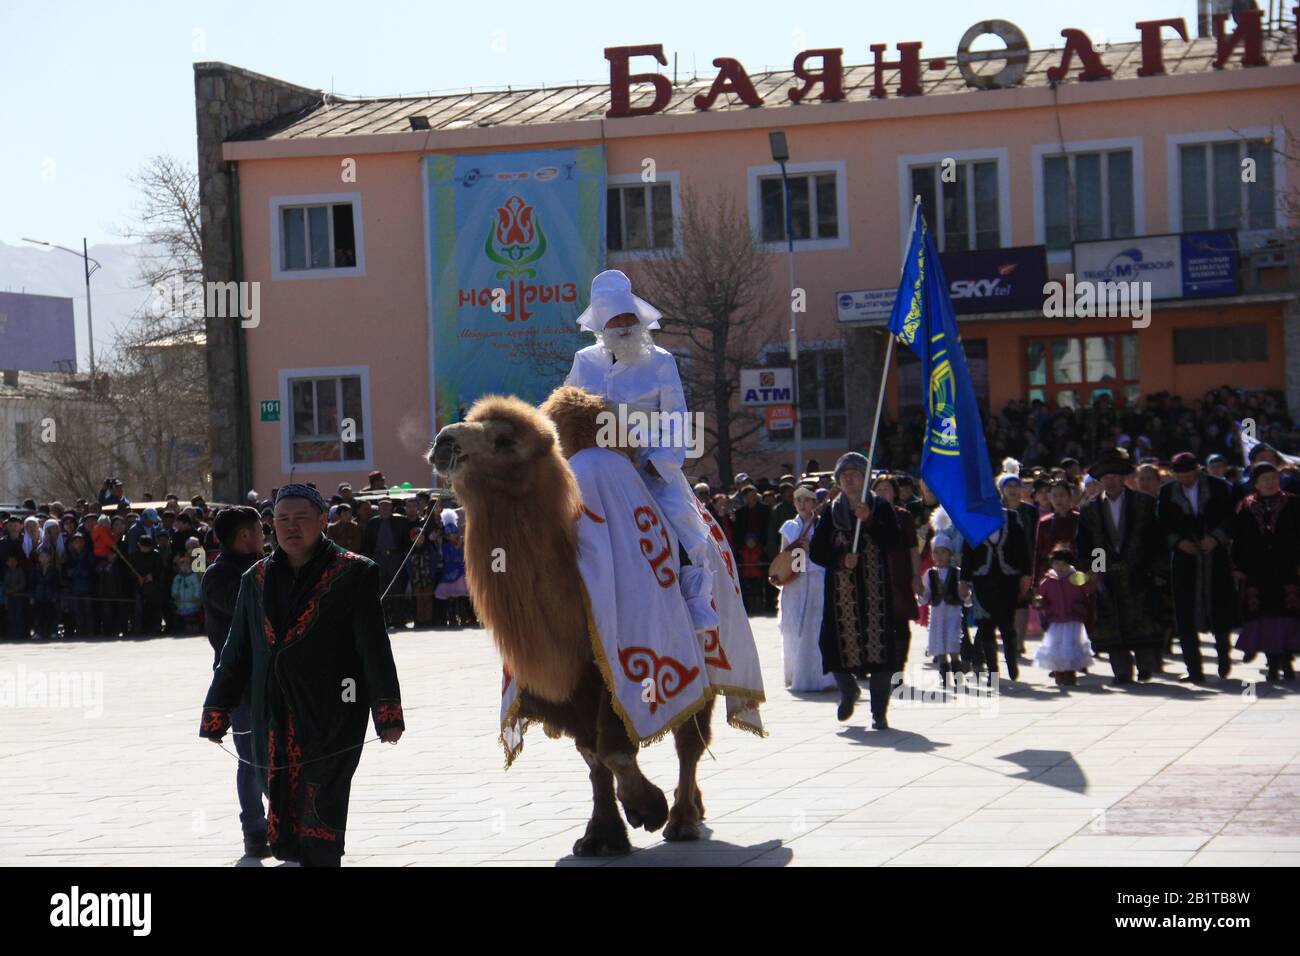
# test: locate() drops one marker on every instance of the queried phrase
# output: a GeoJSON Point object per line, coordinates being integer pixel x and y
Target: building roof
{"type": "Point", "coordinates": [43, 385]}
{"type": "Point", "coordinates": [342, 117]}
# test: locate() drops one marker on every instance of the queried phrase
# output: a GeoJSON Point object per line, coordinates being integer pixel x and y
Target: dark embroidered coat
{"type": "Point", "coordinates": [1204, 598]}
{"type": "Point", "coordinates": [1266, 548]}
{"type": "Point", "coordinates": [296, 641]}
{"type": "Point", "coordinates": [857, 632]}
{"type": "Point", "coordinates": [1127, 600]}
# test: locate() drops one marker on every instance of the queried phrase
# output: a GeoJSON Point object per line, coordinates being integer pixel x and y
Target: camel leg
{"type": "Point", "coordinates": [691, 739]}
{"type": "Point", "coordinates": [644, 804]}
{"type": "Point", "coordinates": [606, 835]}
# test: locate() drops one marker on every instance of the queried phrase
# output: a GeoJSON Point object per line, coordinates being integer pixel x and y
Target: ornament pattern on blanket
{"type": "Point", "coordinates": [719, 541]}
{"type": "Point", "coordinates": [646, 520]}
{"type": "Point", "coordinates": [667, 674]}
{"type": "Point", "coordinates": [714, 654]}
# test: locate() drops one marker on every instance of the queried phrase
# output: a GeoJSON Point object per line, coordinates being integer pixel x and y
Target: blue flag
{"type": "Point", "coordinates": [955, 460]}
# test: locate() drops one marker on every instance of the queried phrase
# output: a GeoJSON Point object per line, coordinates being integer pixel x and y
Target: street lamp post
{"type": "Point", "coordinates": [781, 154]}
{"type": "Point", "coordinates": [86, 261]}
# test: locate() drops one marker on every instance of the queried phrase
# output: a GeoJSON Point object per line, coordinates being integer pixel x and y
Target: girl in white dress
{"type": "Point", "coordinates": [946, 598]}
{"type": "Point", "coordinates": [799, 614]}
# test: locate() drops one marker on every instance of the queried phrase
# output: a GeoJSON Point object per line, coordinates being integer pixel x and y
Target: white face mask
{"type": "Point", "coordinates": [630, 345]}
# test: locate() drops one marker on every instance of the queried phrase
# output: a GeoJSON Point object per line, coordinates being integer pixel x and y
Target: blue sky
{"type": "Point", "coordinates": [92, 90]}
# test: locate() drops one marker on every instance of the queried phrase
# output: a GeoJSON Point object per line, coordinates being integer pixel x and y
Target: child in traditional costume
{"type": "Point", "coordinates": [946, 597]}
{"type": "Point", "coordinates": [1064, 602]}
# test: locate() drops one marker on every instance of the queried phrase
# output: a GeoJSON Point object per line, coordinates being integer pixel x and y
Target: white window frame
{"type": "Point", "coordinates": [1175, 174]}
{"type": "Point", "coordinates": [767, 442]}
{"type": "Point", "coordinates": [279, 203]}
{"type": "Point", "coordinates": [674, 182]}
{"type": "Point", "coordinates": [836, 166]}
{"type": "Point", "coordinates": [1042, 151]}
{"type": "Point", "coordinates": [906, 197]}
{"type": "Point", "coordinates": [287, 376]}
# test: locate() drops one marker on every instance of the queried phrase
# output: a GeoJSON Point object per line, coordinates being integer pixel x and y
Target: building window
{"type": "Point", "coordinates": [23, 439]}
{"type": "Point", "coordinates": [814, 206]}
{"type": "Point", "coordinates": [1213, 193]}
{"type": "Point", "coordinates": [1075, 371]}
{"type": "Point", "coordinates": [1088, 196]}
{"type": "Point", "coordinates": [317, 237]}
{"type": "Point", "coordinates": [639, 217]}
{"type": "Point", "coordinates": [328, 423]}
{"type": "Point", "coordinates": [1221, 343]}
{"type": "Point", "coordinates": [822, 408]}
{"type": "Point", "coordinates": [964, 212]}
{"type": "Point", "coordinates": [911, 396]}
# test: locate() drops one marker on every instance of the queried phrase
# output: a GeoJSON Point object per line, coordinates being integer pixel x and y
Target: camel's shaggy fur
{"type": "Point", "coordinates": [576, 414]}
{"type": "Point", "coordinates": [521, 502]}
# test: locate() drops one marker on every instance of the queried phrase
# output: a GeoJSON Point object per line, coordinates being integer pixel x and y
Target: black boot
{"type": "Point", "coordinates": [850, 693]}
{"type": "Point", "coordinates": [255, 846]}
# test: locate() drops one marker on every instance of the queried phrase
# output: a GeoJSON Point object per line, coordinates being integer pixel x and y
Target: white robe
{"type": "Point", "coordinates": [799, 617]}
{"type": "Point", "coordinates": [651, 385]}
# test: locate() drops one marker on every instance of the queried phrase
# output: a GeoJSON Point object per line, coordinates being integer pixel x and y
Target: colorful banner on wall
{"type": "Point", "coordinates": [514, 241]}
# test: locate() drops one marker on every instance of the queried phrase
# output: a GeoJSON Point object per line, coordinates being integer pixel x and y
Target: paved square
{"type": "Point", "coordinates": [1156, 774]}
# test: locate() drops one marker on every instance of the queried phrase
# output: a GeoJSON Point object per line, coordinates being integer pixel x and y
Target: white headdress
{"type": "Point", "coordinates": [940, 521]}
{"type": "Point", "coordinates": [611, 295]}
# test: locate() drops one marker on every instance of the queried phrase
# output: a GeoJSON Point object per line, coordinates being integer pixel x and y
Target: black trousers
{"type": "Point", "coordinates": [987, 642]}
{"type": "Point", "coordinates": [880, 684]}
{"type": "Point", "coordinates": [1121, 661]}
{"type": "Point", "coordinates": [1191, 645]}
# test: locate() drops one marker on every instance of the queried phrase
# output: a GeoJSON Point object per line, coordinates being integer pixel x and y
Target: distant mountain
{"type": "Point", "coordinates": [115, 289]}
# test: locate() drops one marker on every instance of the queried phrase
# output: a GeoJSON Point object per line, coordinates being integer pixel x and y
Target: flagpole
{"type": "Point", "coordinates": [880, 399]}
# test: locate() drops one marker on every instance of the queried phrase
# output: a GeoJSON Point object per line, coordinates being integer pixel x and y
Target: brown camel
{"type": "Point", "coordinates": [507, 463]}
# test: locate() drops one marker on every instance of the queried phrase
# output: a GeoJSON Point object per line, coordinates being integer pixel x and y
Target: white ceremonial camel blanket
{"type": "Point", "coordinates": [658, 670]}
{"type": "Point", "coordinates": [729, 652]}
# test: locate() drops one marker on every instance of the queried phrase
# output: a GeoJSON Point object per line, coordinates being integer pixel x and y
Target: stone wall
{"type": "Point", "coordinates": [231, 103]}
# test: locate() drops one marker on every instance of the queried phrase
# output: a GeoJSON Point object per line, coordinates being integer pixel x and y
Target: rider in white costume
{"type": "Point", "coordinates": [626, 368]}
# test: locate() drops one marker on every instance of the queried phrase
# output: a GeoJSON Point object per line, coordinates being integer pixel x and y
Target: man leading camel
{"type": "Point", "coordinates": [308, 640]}
{"type": "Point", "coordinates": [626, 368]}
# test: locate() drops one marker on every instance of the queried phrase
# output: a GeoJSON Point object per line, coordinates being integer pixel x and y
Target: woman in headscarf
{"type": "Point", "coordinates": [52, 540]}
{"type": "Point", "coordinates": [799, 614]}
{"type": "Point", "coordinates": [32, 537]}
{"type": "Point", "coordinates": [1266, 555]}
{"type": "Point", "coordinates": [857, 632]}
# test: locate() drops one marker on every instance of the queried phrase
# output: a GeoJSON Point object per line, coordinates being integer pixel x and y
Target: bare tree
{"type": "Point", "coordinates": [717, 300]}
{"type": "Point", "coordinates": [158, 368]}
{"type": "Point", "coordinates": [167, 223]}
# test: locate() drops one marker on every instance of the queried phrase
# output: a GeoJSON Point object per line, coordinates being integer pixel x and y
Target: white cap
{"type": "Point", "coordinates": [611, 295]}
{"type": "Point", "coordinates": [941, 541]}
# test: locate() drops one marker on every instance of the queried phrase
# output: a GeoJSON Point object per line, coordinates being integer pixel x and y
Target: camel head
{"type": "Point", "coordinates": [497, 446]}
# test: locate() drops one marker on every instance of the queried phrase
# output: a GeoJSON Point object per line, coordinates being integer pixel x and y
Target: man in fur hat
{"type": "Point", "coordinates": [1119, 542]}
{"type": "Point", "coordinates": [627, 369]}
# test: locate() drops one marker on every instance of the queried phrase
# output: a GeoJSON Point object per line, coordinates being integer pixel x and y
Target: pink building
{"type": "Point", "coordinates": [320, 202]}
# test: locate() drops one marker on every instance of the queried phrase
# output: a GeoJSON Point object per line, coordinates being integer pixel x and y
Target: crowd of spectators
{"type": "Point", "coordinates": [1157, 426]}
{"type": "Point", "coordinates": [104, 568]}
